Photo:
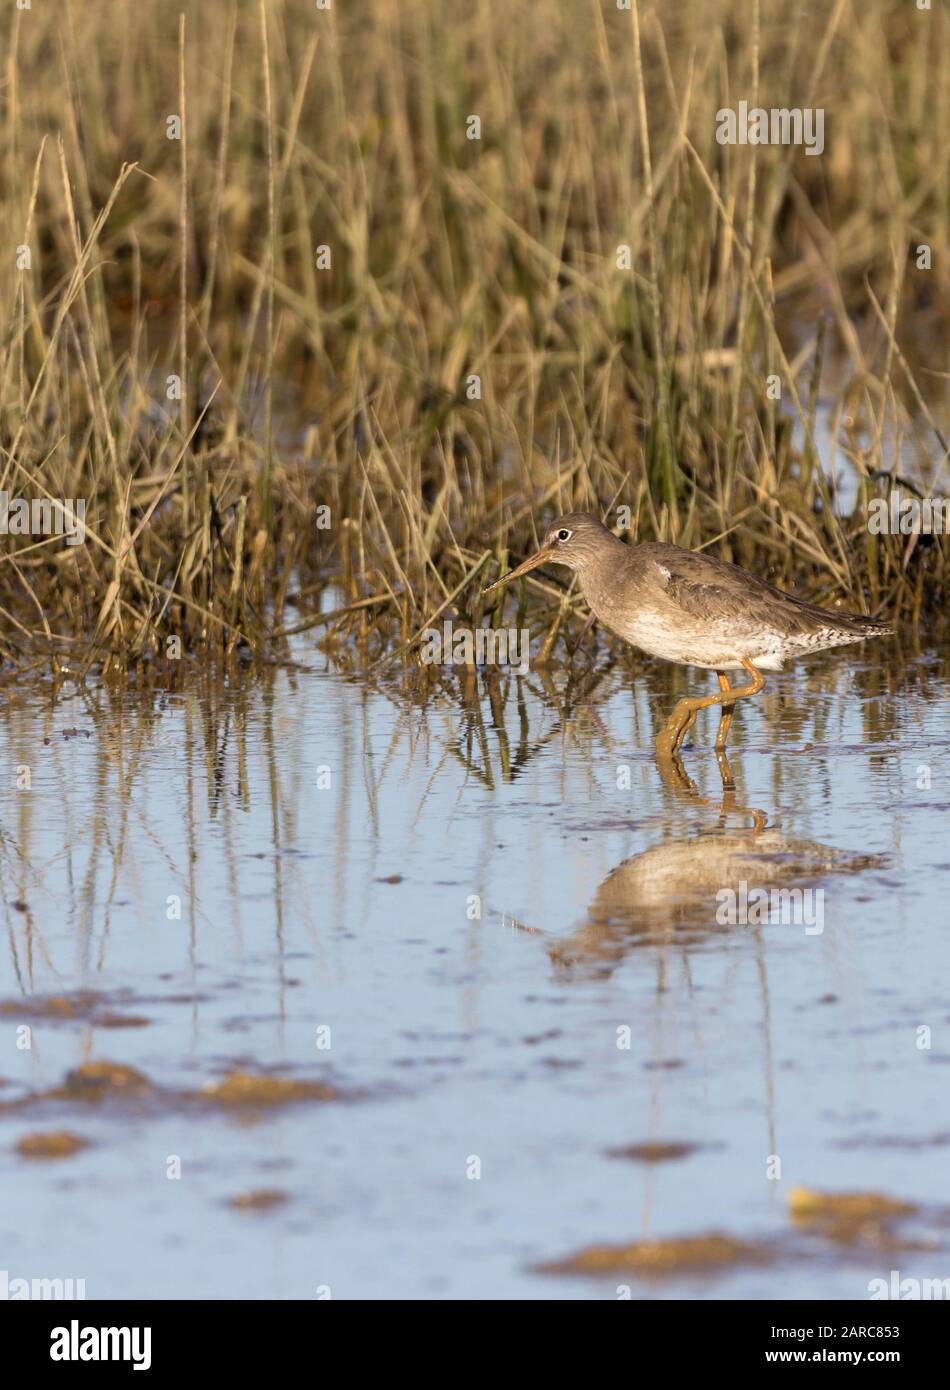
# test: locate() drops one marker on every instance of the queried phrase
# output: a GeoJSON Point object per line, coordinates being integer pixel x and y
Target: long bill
{"type": "Point", "coordinates": [540, 557]}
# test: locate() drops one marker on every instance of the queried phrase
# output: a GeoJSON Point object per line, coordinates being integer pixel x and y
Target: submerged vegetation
{"type": "Point", "coordinates": [320, 312]}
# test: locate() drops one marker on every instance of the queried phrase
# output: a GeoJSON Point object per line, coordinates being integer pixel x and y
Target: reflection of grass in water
{"type": "Point", "coordinates": [241, 745]}
{"type": "Point", "coordinates": [451, 259]}
{"type": "Point", "coordinates": [135, 733]}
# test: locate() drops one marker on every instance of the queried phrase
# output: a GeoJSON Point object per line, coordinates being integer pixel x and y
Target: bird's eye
{"type": "Point", "coordinates": [564, 535]}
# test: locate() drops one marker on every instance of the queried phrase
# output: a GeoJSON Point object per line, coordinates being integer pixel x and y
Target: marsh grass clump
{"type": "Point", "coordinates": [314, 347]}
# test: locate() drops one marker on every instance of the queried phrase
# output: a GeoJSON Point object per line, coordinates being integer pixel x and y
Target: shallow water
{"type": "Point", "coordinates": [452, 1037]}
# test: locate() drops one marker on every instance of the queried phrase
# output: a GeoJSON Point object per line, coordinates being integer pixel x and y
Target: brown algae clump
{"type": "Point", "coordinates": [58, 1144]}
{"type": "Point", "coordinates": [55, 1006]}
{"type": "Point", "coordinates": [845, 1207]}
{"type": "Point", "coordinates": [865, 1218]}
{"type": "Point", "coordinates": [94, 1080]}
{"type": "Point", "coordinates": [261, 1200]}
{"type": "Point", "coordinates": [244, 1088]}
{"type": "Point", "coordinates": [84, 1005]}
{"type": "Point", "coordinates": [659, 1256]}
{"type": "Point", "coordinates": [654, 1152]}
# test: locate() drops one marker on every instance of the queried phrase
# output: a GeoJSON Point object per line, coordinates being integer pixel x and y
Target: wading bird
{"type": "Point", "coordinates": [692, 609]}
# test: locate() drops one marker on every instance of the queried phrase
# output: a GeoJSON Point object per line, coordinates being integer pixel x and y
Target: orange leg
{"type": "Point", "coordinates": [725, 719]}
{"type": "Point", "coordinates": [683, 717]}
{"type": "Point", "coordinates": [722, 733]}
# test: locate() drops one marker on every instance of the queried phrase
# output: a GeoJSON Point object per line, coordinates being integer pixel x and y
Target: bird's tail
{"type": "Point", "coordinates": [863, 626]}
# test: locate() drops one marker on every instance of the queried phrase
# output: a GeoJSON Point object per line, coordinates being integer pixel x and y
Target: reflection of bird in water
{"type": "Point", "coordinates": [673, 886]}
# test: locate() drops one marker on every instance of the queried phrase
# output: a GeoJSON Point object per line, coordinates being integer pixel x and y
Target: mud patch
{"type": "Point", "coordinates": [58, 1144]}
{"type": "Point", "coordinates": [264, 1200]}
{"type": "Point", "coordinates": [807, 1205]}
{"type": "Point", "coordinates": [869, 1219]}
{"type": "Point", "coordinates": [84, 1007]}
{"type": "Point", "coordinates": [97, 1080]}
{"type": "Point", "coordinates": [113, 1083]}
{"type": "Point", "coordinates": [683, 1254]}
{"type": "Point", "coordinates": [655, 1152]}
{"type": "Point", "coordinates": [247, 1089]}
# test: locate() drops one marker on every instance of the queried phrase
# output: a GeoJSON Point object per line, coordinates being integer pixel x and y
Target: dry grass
{"type": "Point", "coordinates": [348, 387]}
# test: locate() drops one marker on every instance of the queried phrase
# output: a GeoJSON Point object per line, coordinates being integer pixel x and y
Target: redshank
{"type": "Point", "coordinates": [694, 610]}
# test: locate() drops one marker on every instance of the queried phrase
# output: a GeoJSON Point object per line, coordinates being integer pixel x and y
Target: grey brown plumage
{"type": "Point", "coordinates": [693, 609]}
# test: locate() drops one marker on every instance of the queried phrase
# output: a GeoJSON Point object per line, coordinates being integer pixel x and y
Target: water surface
{"type": "Point", "coordinates": [447, 903]}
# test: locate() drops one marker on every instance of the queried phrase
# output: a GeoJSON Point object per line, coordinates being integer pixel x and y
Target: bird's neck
{"type": "Point", "coordinates": [597, 573]}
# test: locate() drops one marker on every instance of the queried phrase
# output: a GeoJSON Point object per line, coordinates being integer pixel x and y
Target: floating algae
{"type": "Point", "coordinates": [654, 1152]}
{"type": "Point", "coordinates": [807, 1205]}
{"type": "Point", "coordinates": [244, 1088]}
{"type": "Point", "coordinates": [657, 1257]}
{"type": "Point", "coordinates": [84, 1005]}
{"type": "Point", "coordinates": [852, 1218]}
{"type": "Point", "coordinates": [96, 1080]}
{"type": "Point", "coordinates": [262, 1200]}
{"type": "Point", "coordinates": [111, 1081]}
{"type": "Point", "coordinates": [58, 1144]}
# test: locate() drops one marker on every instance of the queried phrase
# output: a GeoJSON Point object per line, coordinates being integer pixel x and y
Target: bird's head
{"type": "Point", "coordinates": [573, 540]}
